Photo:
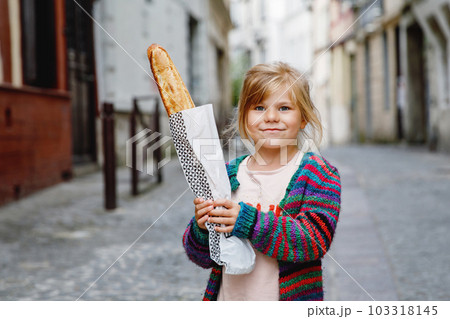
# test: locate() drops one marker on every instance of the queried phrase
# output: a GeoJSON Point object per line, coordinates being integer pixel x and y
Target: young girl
{"type": "Point", "coordinates": [284, 201]}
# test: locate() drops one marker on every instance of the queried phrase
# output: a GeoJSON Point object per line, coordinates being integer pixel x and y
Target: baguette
{"type": "Point", "coordinates": [174, 93]}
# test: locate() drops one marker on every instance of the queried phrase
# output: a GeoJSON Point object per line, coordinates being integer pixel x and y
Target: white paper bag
{"type": "Point", "coordinates": [200, 153]}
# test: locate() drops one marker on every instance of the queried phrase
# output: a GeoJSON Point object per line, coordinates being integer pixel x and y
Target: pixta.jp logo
{"type": "Point", "coordinates": [147, 143]}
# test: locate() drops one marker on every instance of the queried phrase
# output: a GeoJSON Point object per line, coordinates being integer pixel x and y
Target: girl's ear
{"type": "Point", "coordinates": [303, 124]}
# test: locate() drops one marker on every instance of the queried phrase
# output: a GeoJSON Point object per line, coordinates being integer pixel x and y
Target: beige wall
{"type": "Point", "coordinates": [384, 117]}
{"type": "Point", "coordinates": [377, 85]}
{"type": "Point", "coordinates": [381, 117]}
{"type": "Point", "coordinates": [392, 7]}
{"type": "Point", "coordinates": [390, 115]}
{"type": "Point", "coordinates": [361, 91]}
{"type": "Point", "coordinates": [321, 68]}
{"type": "Point", "coordinates": [16, 49]}
{"type": "Point", "coordinates": [384, 126]}
{"type": "Point", "coordinates": [340, 95]}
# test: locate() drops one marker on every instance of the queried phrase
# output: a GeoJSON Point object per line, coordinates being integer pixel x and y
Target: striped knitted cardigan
{"type": "Point", "coordinates": [298, 239]}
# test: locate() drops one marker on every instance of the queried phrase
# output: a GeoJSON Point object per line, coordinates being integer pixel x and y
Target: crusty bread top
{"type": "Point", "coordinates": [174, 93]}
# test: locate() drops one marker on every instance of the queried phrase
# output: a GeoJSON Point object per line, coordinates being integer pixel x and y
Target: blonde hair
{"type": "Point", "coordinates": [263, 80]}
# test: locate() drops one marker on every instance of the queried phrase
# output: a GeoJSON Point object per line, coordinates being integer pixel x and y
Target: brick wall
{"type": "Point", "coordinates": [35, 140]}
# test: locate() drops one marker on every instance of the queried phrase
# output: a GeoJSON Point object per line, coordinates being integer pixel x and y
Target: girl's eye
{"type": "Point", "coordinates": [284, 108]}
{"type": "Point", "coordinates": [259, 108]}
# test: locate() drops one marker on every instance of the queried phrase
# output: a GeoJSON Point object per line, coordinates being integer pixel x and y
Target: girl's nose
{"type": "Point", "coordinates": [271, 114]}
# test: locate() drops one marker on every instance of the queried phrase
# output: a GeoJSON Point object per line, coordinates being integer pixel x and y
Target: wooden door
{"type": "Point", "coordinates": [81, 74]}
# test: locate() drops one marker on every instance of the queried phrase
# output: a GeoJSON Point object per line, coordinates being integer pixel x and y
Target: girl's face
{"type": "Point", "coordinates": [276, 121]}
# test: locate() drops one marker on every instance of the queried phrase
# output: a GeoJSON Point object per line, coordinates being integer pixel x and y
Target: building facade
{"type": "Point", "coordinates": [266, 31]}
{"type": "Point", "coordinates": [378, 74]}
{"type": "Point", "coordinates": [61, 60]}
{"type": "Point", "coordinates": [425, 27]}
{"type": "Point", "coordinates": [388, 71]}
{"type": "Point", "coordinates": [194, 33]}
{"type": "Point", "coordinates": [38, 139]}
{"type": "Point", "coordinates": [321, 75]}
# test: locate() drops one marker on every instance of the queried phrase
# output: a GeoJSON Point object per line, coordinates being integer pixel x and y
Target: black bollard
{"type": "Point", "coordinates": [109, 166]}
{"type": "Point", "coordinates": [158, 154]}
{"type": "Point", "coordinates": [134, 171]}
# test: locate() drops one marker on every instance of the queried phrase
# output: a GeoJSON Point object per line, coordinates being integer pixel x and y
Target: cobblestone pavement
{"type": "Point", "coordinates": [60, 244]}
{"type": "Point", "coordinates": [56, 243]}
{"type": "Point", "coordinates": [393, 233]}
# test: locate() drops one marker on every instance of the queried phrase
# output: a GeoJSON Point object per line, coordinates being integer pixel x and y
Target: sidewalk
{"type": "Point", "coordinates": [356, 267]}
{"type": "Point", "coordinates": [56, 243]}
{"type": "Point", "coordinates": [393, 235]}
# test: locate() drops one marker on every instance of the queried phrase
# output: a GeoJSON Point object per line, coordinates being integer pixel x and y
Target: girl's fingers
{"type": "Point", "coordinates": [227, 229]}
{"type": "Point", "coordinates": [221, 220]}
{"type": "Point", "coordinates": [203, 205]}
{"type": "Point", "coordinates": [198, 200]}
{"type": "Point", "coordinates": [224, 212]}
{"type": "Point", "coordinates": [220, 213]}
{"type": "Point", "coordinates": [223, 202]}
{"type": "Point", "coordinates": [203, 220]}
{"type": "Point", "coordinates": [204, 210]}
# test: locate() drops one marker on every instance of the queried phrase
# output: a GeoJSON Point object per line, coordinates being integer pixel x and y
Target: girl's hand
{"type": "Point", "coordinates": [202, 208]}
{"type": "Point", "coordinates": [226, 216]}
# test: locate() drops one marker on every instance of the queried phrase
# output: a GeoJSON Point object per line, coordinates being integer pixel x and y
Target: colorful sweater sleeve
{"type": "Point", "coordinates": [310, 212]}
{"type": "Point", "coordinates": [196, 245]}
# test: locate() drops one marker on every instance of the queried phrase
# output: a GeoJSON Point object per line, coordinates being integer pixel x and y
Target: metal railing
{"type": "Point", "coordinates": [153, 125]}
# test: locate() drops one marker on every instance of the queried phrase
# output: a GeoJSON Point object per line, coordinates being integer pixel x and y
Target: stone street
{"type": "Point", "coordinates": [391, 241]}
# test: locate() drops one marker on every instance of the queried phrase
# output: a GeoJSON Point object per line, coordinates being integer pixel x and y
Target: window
{"type": "Point", "coordinates": [38, 43]}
